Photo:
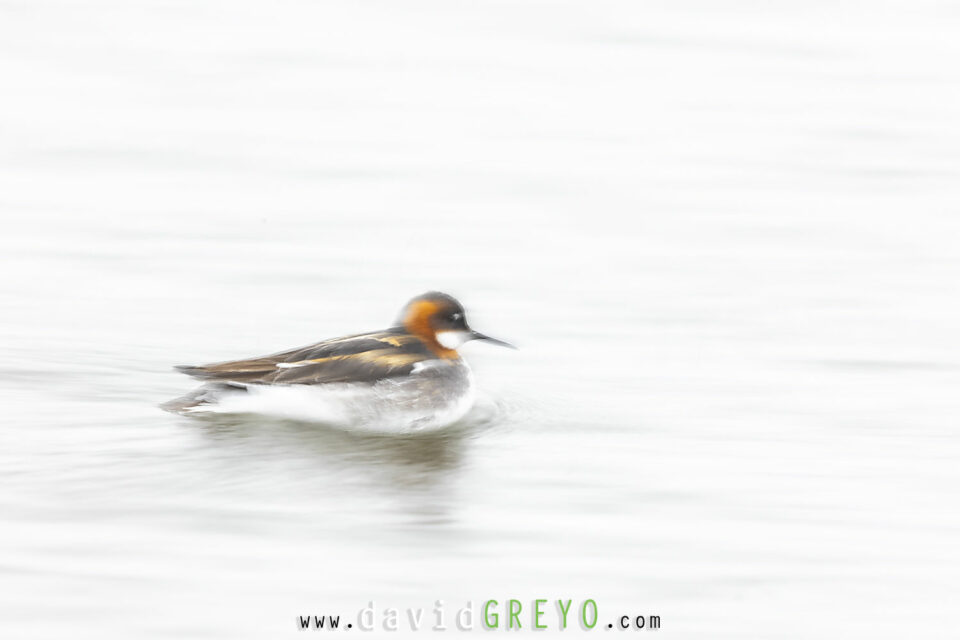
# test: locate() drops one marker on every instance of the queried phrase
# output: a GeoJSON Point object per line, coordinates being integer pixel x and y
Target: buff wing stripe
{"type": "Point", "coordinates": [359, 358]}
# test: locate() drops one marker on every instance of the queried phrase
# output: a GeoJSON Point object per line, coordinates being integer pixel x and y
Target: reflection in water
{"type": "Point", "coordinates": [413, 476]}
{"type": "Point", "coordinates": [421, 455]}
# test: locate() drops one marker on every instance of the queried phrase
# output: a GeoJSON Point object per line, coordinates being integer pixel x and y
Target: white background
{"type": "Point", "coordinates": [725, 236]}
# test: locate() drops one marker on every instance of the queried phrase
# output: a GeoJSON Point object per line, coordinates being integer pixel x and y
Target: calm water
{"type": "Point", "coordinates": [725, 238]}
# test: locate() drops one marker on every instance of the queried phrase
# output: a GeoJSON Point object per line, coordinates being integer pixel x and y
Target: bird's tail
{"type": "Point", "coordinates": [204, 396]}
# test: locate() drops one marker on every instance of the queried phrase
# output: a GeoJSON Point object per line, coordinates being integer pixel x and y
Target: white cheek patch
{"type": "Point", "coordinates": [452, 339]}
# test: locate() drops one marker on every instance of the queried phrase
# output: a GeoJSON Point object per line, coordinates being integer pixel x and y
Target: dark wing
{"type": "Point", "coordinates": [361, 358]}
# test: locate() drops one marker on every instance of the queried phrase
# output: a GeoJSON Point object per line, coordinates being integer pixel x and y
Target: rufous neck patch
{"type": "Point", "coordinates": [417, 322]}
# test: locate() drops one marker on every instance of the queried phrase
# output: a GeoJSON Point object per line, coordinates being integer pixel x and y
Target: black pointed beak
{"type": "Point", "coordinates": [476, 335]}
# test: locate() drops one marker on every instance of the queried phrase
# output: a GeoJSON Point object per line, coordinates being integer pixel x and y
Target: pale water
{"type": "Point", "coordinates": [724, 235]}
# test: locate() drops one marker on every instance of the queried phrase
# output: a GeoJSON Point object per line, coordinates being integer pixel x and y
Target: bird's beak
{"type": "Point", "coordinates": [476, 335]}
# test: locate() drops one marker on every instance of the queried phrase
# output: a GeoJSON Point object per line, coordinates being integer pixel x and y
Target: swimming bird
{"type": "Point", "coordinates": [406, 378]}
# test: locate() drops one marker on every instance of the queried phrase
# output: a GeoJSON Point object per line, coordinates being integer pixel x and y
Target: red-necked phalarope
{"type": "Point", "coordinates": [407, 378]}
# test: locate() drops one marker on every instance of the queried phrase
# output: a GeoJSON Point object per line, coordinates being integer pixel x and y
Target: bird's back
{"type": "Point", "coordinates": [367, 357]}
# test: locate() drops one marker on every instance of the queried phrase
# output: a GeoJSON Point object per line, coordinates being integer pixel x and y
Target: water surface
{"type": "Point", "coordinates": [725, 239]}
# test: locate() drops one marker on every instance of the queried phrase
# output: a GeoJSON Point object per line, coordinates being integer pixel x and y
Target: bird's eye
{"type": "Point", "coordinates": [454, 317]}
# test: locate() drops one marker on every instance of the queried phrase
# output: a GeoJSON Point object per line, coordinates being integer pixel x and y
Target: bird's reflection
{"type": "Point", "coordinates": [425, 453]}
{"type": "Point", "coordinates": [414, 474]}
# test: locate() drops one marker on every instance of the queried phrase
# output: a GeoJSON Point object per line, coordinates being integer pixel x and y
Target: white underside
{"type": "Point", "coordinates": [405, 405]}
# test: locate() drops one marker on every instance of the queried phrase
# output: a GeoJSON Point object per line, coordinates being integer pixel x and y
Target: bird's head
{"type": "Point", "coordinates": [439, 320]}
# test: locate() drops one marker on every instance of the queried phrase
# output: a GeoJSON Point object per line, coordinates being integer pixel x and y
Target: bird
{"type": "Point", "coordinates": [407, 378]}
